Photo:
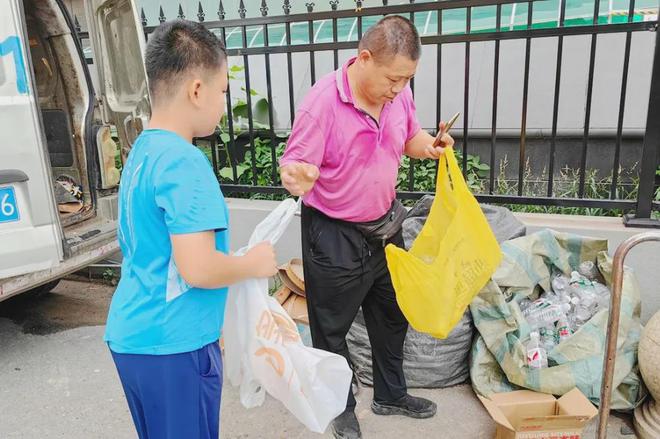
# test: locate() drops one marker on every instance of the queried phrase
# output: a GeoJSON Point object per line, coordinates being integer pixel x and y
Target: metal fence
{"type": "Point", "coordinates": [227, 149]}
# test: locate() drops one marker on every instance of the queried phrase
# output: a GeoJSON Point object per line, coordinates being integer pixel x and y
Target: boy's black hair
{"type": "Point", "coordinates": [176, 47]}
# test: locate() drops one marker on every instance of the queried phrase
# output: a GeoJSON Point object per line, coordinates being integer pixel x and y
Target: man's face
{"type": "Point", "coordinates": [384, 79]}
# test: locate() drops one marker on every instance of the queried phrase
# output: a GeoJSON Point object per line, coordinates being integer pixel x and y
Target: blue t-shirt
{"type": "Point", "coordinates": [167, 187]}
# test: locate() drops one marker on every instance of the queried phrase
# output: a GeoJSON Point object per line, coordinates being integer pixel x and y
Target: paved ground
{"type": "Point", "coordinates": [57, 380]}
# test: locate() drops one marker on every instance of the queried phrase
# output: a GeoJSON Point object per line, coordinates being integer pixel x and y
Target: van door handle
{"type": "Point", "coordinates": [12, 176]}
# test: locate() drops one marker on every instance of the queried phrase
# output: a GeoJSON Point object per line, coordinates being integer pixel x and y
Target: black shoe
{"type": "Point", "coordinates": [346, 426]}
{"type": "Point", "coordinates": [410, 406]}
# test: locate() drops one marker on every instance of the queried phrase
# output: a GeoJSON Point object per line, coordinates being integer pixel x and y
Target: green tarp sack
{"type": "Point", "coordinates": [499, 362]}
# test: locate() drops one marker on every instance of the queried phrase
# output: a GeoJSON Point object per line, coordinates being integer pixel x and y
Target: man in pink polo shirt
{"type": "Point", "coordinates": [343, 157]}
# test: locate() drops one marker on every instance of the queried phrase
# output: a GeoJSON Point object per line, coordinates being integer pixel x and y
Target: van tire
{"type": "Point", "coordinates": [44, 289]}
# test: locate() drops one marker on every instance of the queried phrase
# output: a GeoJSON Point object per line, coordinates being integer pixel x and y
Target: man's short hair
{"type": "Point", "coordinates": [393, 35]}
{"type": "Point", "coordinates": [177, 47]}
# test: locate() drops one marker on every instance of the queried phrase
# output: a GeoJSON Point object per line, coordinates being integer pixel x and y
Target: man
{"type": "Point", "coordinates": [343, 156]}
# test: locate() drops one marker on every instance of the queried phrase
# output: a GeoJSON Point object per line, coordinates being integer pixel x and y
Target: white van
{"type": "Point", "coordinates": [59, 163]}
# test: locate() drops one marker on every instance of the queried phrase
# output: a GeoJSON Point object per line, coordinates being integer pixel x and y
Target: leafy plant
{"type": "Point", "coordinates": [263, 164]}
{"type": "Point", "coordinates": [424, 173]}
{"type": "Point", "coordinates": [239, 110]}
{"type": "Point", "coordinates": [111, 276]}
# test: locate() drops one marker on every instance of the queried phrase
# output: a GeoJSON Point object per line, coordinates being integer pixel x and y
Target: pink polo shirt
{"type": "Point", "coordinates": [357, 156]}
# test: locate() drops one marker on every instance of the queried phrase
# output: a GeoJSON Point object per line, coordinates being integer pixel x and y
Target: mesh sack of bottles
{"type": "Point", "coordinates": [542, 321]}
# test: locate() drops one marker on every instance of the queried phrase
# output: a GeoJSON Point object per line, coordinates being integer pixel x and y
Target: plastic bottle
{"type": "Point", "coordinates": [537, 357]}
{"type": "Point", "coordinates": [589, 270]}
{"type": "Point", "coordinates": [581, 315]}
{"type": "Point", "coordinates": [587, 295]}
{"type": "Point", "coordinates": [603, 295]}
{"type": "Point", "coordinates": [551, 296]}
{"type": "Point", "coordinates": [548, 337]}
{"type": "Point", "coordinates": [578, 279]}
{"type": "Point", "coordinates": [560, 284]}
{"type": "Point", "coordinates": [565, 298]}
{"type": "Point", "coordinates": [536, 306]}
{"type": "Point", "coordinates": [524, 304]}
{"type": "Point", "coordinates": [542, 317]}
{"type": "Point", "coordinates": [564, 330]}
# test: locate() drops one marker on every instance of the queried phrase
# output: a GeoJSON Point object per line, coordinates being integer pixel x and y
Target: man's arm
{"type": "Point", "coordinates": [420, 146]}
{"type": "Point", "coordinates": [299, 166]}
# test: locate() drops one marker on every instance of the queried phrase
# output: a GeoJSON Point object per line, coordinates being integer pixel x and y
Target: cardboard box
{"type": "Point", "coordinates": [296, 307]}
{"type": "Point", "coordinates": [524, 414]}
{"type": "Point", "coordinates": [282, 294]}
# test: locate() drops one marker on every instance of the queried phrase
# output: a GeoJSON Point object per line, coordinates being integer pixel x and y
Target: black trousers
{"type": "Point", "coordinates": [343, 272]}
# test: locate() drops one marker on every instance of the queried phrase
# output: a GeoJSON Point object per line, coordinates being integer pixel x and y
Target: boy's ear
{"type": "Point", "coordinates": [194, 90]}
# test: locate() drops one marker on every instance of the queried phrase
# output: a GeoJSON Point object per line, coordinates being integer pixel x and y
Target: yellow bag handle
{"type": "Point", "coordinates": [454, 173]}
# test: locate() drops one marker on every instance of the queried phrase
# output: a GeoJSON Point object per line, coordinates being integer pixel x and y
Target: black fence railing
{"type": "Point", "coordinates": [246, 146]}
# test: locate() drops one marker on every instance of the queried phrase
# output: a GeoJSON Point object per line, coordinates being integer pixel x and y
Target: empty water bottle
{"type": "Point", "coordinates": [541, 317]}
{"type": "Point", "coordinates": [564, 330]}
{"type": "Point", "coordinates": [587, 296]}
{"type": "Point", "coordinates": [578, 279]}
{"type": "Point", "coordinates": [537, 305]}
{"type": "Point", "coordinates": [525, 304]}
{"type": "Point", "coordinates": [581, 314]}
{"type": "Point", "coordinates": [560, 283]}
{"type": "Point", "coordinates": [589, 270]}
{"type": "Point", "coordinates": [537, 357]}
{"type": "Point", "coordinates": [548, 337]}
{"type": "Point", "coordinates": [551, 297]}
{"type": "Point", "coordinates": [602, 296]}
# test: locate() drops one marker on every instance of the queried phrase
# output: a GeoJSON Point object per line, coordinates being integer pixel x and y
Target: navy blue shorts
{"type": "Point", "coordinates": [173, 396]}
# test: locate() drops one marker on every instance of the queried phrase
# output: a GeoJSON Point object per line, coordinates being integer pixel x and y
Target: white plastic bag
{"type": "Point", "coordinates": [264, 352]}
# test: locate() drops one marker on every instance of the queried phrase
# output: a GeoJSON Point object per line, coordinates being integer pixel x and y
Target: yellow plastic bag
{"type": "Point", "coordinates": [451, 260]}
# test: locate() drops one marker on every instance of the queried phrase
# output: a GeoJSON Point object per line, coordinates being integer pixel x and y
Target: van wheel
{"type": "Point", "coordinates": [43, 289]}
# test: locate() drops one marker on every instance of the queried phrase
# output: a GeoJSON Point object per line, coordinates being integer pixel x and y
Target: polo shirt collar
{"type": "Point", "coordinates": [341, 80]}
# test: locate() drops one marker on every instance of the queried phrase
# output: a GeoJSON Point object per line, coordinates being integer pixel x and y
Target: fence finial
{"type": "Point", "coordinates": [358, 5]}
{"type": "Point", "coordinates": [161, 16]}
{"type": "Point", "coordinates": [241, 9]}
{"type": "Point", "coordinates": [333, 4]}
{"type": "Point", "coordinates": [143, 17]}
{"type": "Point", "coordinates": [200, 12]}
{"type": "Point", "coordinates": [221, 11]}
{"type": "Point", "coordinates": [263, 8]}
{"type": "Point", "coordinates": [76, 23]}
{"type": "Point", "coordinates": [181, 15]}
{"type": "Point", "coordinates": [287, 7]}
{"type": "Point", "coordinates": [310, 6]}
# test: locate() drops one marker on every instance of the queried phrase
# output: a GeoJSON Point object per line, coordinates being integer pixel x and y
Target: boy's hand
{"type": "Point", "coordinates": [299, 178]}
{"type": "Point", "coordinates": [261, 260]}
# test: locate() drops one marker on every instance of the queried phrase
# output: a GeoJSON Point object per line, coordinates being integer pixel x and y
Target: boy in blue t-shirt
{"type": "Point", "coordinates": [165, 318]}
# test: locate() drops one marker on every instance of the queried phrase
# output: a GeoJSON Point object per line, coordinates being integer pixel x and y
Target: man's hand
{"type": "Point", "coordinates": [421, 146]}
{"type": "Point", "coordinates": [434, 152]}
{"type": "Point", "coordinates": [299, 178]}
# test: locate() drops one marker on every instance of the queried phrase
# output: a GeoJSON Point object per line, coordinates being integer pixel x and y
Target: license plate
{"type": "Point", "coordinates": [8, 205]}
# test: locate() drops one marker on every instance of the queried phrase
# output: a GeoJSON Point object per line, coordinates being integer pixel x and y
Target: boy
{"type": "Point", "coordinates": [165, 318]}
